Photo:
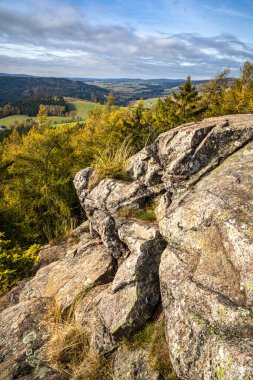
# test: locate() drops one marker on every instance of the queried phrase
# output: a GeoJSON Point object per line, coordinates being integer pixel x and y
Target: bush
{"type": "Point", "coordinates": [15, 263]}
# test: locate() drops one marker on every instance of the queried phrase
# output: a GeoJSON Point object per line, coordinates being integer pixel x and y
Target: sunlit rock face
{"type": "Point", "coordinates": [206, 272]}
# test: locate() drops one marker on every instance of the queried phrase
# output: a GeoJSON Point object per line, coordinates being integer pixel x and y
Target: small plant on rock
{"type": "Point", "coordinates": [112, 163]}
{"type": "Point", "coordinates": [145, 213]}
{"type": "Point", "coordinates": [152, 339]}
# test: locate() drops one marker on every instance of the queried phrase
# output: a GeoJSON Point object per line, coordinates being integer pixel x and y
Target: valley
{"type": "Point", "coordinates": [78, 110]}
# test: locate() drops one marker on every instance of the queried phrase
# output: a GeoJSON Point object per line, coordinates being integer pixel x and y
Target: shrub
{"type": "Point", "coordinates": [15, 263]}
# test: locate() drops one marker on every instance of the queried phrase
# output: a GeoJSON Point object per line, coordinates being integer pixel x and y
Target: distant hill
{"type": "Point", "coordinates": [15, 75]}
{"type": "Point", "coordinates": [14, 88]}
{"type": "Point", "coordinates": [127, 89]}
{"type": "Point", "coordinates": [128, 80]}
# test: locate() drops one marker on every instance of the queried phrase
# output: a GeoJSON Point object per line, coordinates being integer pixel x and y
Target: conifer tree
{"type": "Point", "coordinates": [186, 100]}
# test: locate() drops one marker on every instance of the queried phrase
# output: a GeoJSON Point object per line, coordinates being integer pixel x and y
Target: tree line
{"type": "Point", "coordinates": [55, 106]}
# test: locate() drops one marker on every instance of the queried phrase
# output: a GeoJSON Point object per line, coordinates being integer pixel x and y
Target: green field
{"type": "Point", "coordinates": [78, 109]}
{"type": "Point", "coordinates": [9, 120]}
{"type": "Point", "coordinates": [81, 108]}
{"type": "Point", "coordinates": [150, 102]}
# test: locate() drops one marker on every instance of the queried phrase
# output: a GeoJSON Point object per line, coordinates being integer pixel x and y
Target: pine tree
{"type": "Point", "coordinates": [186, 101]}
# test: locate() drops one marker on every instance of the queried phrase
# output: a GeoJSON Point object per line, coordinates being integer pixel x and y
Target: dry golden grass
{"type": "Point", "coordinates": [69, 350]}
{"type": "Point", "coordinates": [94, 367]}
{"type": "Point", "coordinates": [111, 163]}
{"type": "Point", "coordinates": [67, 347]}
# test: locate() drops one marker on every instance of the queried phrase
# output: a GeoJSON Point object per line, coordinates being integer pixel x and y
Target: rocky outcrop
{"type": "Point", "coordinates": [134, 292]}
{"type": "Point", "coordinates": [200, 175]}
{"type": "Point", "coordinates": [24, 322]}
{"type": "Point", "coordinates": [88, 263]}
{"type": "Point", "coordinates": [197, 257]}
{"type": "Point", "coordinates": [207, 272]}
{"type": "Point", "coordinates": [23, 335]}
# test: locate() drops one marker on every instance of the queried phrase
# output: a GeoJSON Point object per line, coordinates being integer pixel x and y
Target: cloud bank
{"type": "Point", "coordinates": [66, 42]}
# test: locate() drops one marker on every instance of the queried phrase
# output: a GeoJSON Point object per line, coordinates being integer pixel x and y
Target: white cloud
{"type": "Point", "coordinates": [69, 43]}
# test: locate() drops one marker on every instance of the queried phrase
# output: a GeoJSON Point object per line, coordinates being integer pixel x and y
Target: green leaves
{"type": "Point", "coordinates": [37, 189]}
{"type": "Point", "coordinates": [15, 263]}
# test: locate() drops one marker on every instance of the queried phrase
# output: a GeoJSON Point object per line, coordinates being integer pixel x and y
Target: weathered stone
{"type": "Point", "coordinates": [81, 183]}
{"type": "Point", "coordinates": [189, 151]}
{"type": "Point", "coordinates": [162, 203]}
{"type": "Point", "coordinates": [135, 289]}
{"type": "Point", "coordinates": [111, 195]}
{"type": "Point", "coordinates": [146, 244]}
{"type": "Point", "coordinates": [206, 273]}
{"type": "Point", "coordinates": [88, 264]}
{"type": "Point", "coordinates": [23, 334]}
{"type": "Point", "coordinates": [145, 167]}
{"type": "Point", "coordinates": [50, 253]}
{"type": "Point", "coordinates": [12, 297]}
{"type": "Point", "coordinates": [104, 224]}
{"type": "Point", "coordinates": [104, 201]}
{"type": "Point", "coordinates": [87, 315]}
{"type": "Point", "coordinates": [132, 365]}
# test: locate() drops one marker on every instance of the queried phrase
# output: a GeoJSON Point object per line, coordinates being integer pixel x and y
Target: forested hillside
{"type": "Point", "coordinates": [13, 89]}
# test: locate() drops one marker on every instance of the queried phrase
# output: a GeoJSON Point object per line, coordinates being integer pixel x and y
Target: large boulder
{"type": "Point", "coordinates": [206, 272]}
{"type": "Point", "coordinates": [192, 150]}
{"type": "Point", "coordinates": [87, 264]}
{"type": "Point", "coordinates": [134, 292]}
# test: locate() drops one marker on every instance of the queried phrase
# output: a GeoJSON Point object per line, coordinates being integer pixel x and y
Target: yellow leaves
{"type": "Point", "coordinates": [42, 118]}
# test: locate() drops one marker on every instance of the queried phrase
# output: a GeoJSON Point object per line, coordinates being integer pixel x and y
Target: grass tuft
{"type": "Point", "coordinates": [94, 367]}
{"type": "Point", "coordinates": [145, 213]}
{"type": "Point", "coordinates": [111, 163]}
{"type": "Point", "coordinates": [136, 213]}
{"type": "Point", "coordinates": [69, 349]}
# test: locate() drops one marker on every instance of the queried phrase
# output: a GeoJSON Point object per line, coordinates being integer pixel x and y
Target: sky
{"type": "Point", "coordinates": [125, 38]}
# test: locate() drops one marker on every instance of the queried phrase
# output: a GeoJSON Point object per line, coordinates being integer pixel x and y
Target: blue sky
{"type": "Point", "coordinates": [112, 38]}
